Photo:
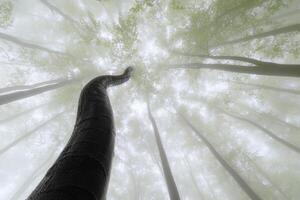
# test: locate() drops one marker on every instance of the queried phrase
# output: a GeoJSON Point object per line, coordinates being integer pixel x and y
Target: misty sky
{"type": "Point", "coordinates": [81, 39]}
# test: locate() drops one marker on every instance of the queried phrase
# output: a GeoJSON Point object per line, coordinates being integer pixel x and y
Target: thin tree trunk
{"type": "Point", "coordinates": [82, 170]}
{"type": "Point", "coordinates": [14, 96]}
{"type": "Point", "coordinates": [193, 178]}
{"type": "Point", "coordinates": [239, 180]}
{"type": "Point", "coordinates": [16, 88]}
{"type": "Point", "coordinates": [266, 87]}
{"type": "Point", "coordinates": [172, 188]}
{"type": "Point", "coordinates": [258, 70]}
{"type": "Point", "coordinates": [58, 11]}
{"type": "Point", "coordinates": [286, 29]}
{"type": "Point", "coordinates": [22, 113]}
{"type": "Point", "coordinates": [266, 176]}
{"type": "Point", "coordinates": [28, 134]}
{"type": "Point", "coordinates": [28, 45]}
{"type": "Point", "coordinates": [239, 58]}
{"type": "Point", "coordinates": [264, 130]}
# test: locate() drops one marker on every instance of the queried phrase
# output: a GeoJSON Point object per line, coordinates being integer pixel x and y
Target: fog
{"type": "Point", "coordinates": [222, 79]}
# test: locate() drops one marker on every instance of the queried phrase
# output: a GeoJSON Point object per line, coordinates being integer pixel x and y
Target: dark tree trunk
{"type": "Point", "coordinates": [239, 180]}
{"type": "Point", "coordinates": [172, 188]}
{"type": "Point", "coordinates": [33, 90]}
{"type": "Point", "coordinates": [239, 58]}
{"type": "Point", "coordinates": [28, 45]}
{"type": "Point", "coordinates": [286, 29]}
{"type": "Point", "coordinates": [258, 70]}
{"type": "Point", "coordinates": [264, 130]}
{"type": "Point", "coordinates": [82, 170]}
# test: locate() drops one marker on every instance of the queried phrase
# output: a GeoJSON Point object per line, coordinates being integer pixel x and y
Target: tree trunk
{"type": "Point", "coordinates": [264, 130]}
{"type": "Point", "coordinates": [286, 29]}
{"type": "Point", "coordinates": [266, 176]}
{"type": "Point", "coordinates": [239, 180]}
{"type": "Point", "coordinates": [172, 188]}
{"type": "Point", "coordinates": [22, 113]}
{"type": "Point", "coordinates": [258, 70]}
{"type": "Point", "coordinates": [193, 177]}
{"type": "Point", "coordinates": [266, 87]}
{"type": "Point", "coordinates": [82, 169]}
{"type": "Point", "coordinates": [16, 88]}
{"type": "Point", "coordinates": [58, 11]}
{"type": "Point", "coordinates": [19, 42]}
{"type": "Point", "coordinates": [31, 91]}
{"type": "Point", "coordinates": [239, 58]}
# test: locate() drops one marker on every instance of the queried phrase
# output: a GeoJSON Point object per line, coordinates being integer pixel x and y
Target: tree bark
{"type": "Point", "coordinates": [264, 130]}
{"type": "Point", "coordinates": [257, 70]}
{"type": "Point", "coordinates": [239, 180]}
{"type": "Point", "coordinates": [82, 169]}
{"type": "Point", "coordinates": [32, 90]}
{"type": "Point", "coordinates": [172, 188]}
{"type": "Point", "coordinates": [286, 29]}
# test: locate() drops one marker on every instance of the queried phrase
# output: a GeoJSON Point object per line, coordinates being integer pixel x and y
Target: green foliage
{"type": "Point", "coordinates": [6, 11]}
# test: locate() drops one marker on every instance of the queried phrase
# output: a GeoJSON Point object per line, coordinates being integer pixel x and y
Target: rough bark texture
{"type": "Point", "coordinates": [172, 188]}
{"type": "Point", "coordinates": [239, 180]}
{"type": "Point", "coordinates": [82, 170]}
{"type": "Point", "coordinates": [40, 88]}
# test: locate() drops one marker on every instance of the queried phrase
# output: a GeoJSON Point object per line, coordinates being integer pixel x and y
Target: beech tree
{"type": "Point", "coordinates": [82, 169]}
{"type": "Point", "coordinates": [239, 180]}
{"type": "Point", "coordinates": [238, 55]}
{"type": "Point", "coordinates": [21, 92]}
{"type": "Point", "coordinates": [172, 188]}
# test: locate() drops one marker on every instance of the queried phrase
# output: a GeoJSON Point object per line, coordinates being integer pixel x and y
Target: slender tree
{"type": "Point", "coordinates": [82, 170]}
{"type": "Point", "coordinates": [266, 87]}
{"type": "Point", "coordinates": [28, 45]}
{"type": "Point", "coordinates": [16, 88]}
{"type": "Point", "coordinates": [58, 11]}
{"type": "Point", "coordinates": [264, 130]}
{"type": "Point", "coordinates": [187, 163]}
{"type": "Point", "coordinates": [283, 30]}
{"type": "Point", "coordinates": [28, 134]}
{"type": "Point", "coordinates": [266, 176]}
{"type": "Point", "coordinates": [239, 58]}
{"type": "Point", "coordinates": [258, 70]}
{"type": "Point", "coordinates": [239, 180]}
{"type": "Point", "coordinates": [25, 112]}
{"type": "Point", "coordinates": [172, 188]}
{"type": "Point", "coordinates": [33, 90]}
